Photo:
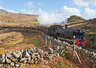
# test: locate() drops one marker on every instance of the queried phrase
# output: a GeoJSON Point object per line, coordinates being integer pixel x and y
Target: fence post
{"type": "Point", "coordinates": [42, 39]}
{"type": "Point", "coordinates": [75, 52]}
{"type": "Point", "coordinates": [50, 42]}
{"type": "Point", "coordinates": [73, 48]}
{"type": "Point", "coordinates": [46, 42]}
{"type": "Point", "coordinates": [78, 57]}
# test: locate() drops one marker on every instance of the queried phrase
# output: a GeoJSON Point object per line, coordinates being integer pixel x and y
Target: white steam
{"type": "Point", "coordinates": [49, 18]}
{"type": "Point", "coordinates": [57, 16]}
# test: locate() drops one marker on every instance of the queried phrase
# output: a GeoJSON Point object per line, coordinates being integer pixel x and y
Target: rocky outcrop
{"type": "Point", "coordinates": [92, 21]}
{"type": "Point", "coordinates": [75, 18]}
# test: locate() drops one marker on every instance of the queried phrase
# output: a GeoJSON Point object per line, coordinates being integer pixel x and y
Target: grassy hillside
{"type": "Point", "coordinates": [75, 18]}
{"type": "Point", "coordinates": [8, 17]}
{"type": "Point", "coordinates": [89, 26]}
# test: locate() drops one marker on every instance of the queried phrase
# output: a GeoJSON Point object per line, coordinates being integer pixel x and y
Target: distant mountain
{"type": "Point", "coordinates": [10, 17]}
{"type": "Point", "coordinates": [75, 18]}
{"type": "Point", "coordinates": [2, 11]}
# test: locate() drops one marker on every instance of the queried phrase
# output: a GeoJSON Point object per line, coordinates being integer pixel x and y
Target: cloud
{"type": "Point", "coordinates": [7, 9]}
{"type": "Point", "coordinates": [24, 11]}
{"type": "Point", "coordinates": [37, 12]}
{"type": "Point", "coordinates": [11, 11]}
{"type": "Point", "coordinates": [30, 4]}
{"type": "Point", "coordinates": [88, 13]}
{"type": "Point", "coordinates": [85, 3]}
{"type": "Point", "coordinates": [40, 4]}
{"type": "Point", "coordinates": [58, 15]}
{"type": "Point", "coordinates": [1, 7]}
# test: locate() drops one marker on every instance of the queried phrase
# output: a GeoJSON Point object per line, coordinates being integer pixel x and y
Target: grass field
{"type": "Point", "coordinates": [12, 41]}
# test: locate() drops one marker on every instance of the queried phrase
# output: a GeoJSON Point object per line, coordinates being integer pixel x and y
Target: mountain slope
{"type": "Point", "coordinates": [75, 18]}
{"type": "Point", "coordinates": [9, 17]}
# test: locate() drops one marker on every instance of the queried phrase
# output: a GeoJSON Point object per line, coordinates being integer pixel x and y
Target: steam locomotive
{"type": "Point", "coordinates": [68, 34]}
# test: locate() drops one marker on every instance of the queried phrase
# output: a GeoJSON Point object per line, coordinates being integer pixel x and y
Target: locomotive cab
{"type": "Point", "coordinates": [52, 29]}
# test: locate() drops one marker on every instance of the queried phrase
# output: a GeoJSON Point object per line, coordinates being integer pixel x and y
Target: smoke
{"type": "Point", "coordinates": [57, 16]}
{"type": "Point", "coordinates": [50, 18]}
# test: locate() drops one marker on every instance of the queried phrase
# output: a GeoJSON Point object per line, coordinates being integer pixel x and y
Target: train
{"type": "Point", "coordinates": [66, 34]}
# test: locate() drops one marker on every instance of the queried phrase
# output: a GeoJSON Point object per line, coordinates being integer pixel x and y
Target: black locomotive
{"type": "Point", "coordinates": [68, 33]}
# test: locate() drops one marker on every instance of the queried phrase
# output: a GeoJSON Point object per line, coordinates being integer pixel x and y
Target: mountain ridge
{"type": "Point", "coordinates": [10, 17]}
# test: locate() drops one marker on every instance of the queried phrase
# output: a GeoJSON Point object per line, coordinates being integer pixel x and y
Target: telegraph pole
{"type": "Point", "coordinates": [73, 46]}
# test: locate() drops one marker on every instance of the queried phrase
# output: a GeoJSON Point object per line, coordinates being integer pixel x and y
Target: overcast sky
{"type": "Point", "coordinates": [52, 11]}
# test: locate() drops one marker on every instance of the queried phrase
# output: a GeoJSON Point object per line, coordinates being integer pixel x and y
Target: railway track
{"type": "Point", "coordinates": [76, 24]}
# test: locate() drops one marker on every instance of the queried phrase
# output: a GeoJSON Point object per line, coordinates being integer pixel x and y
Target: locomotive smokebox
{"type": "Point", "coordinates": [66, 26]}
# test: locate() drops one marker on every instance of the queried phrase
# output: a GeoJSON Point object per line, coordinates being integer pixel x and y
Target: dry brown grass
{"type": "Point", "coordinates": [17, 18]}
{"type": "Point", "coordinates": [9, 39]}
{"type": "Point", "coordinates": [4, 24]}
{"type": "Point", "coordinates": [12, 41]}
{"type": "Point", "coordinates": [13, 24]}
{"type": "Point", "coordinates": [10, 36]}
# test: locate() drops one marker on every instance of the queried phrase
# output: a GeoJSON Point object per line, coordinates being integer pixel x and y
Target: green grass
{"type": "Point", "coordinates": [36, 43]}
{"type": "Point", "coordinates": [60, 64]}
{"type": "Point", "coordinates": [28, 38]}
{"type": "Point", "coordinates": [32, 38]}
{"type": "Point", "coordinates": [26, 66]}
{"type": "Point", "coordinates": [31, 22]}
{"type": "Point", "coordinates": [35, 22]}
{"type": "Point", "coordinates": [6, 45]}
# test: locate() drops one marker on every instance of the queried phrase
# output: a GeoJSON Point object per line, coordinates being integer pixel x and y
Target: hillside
{"type": "Point", "coordinates": [78, 22]}
{"type": "Point", "coordinates": [75, 18]}
{"type": "Point", "coordinates": [89, 26]}
{"type": "Point", "coordinates": [9, 17]}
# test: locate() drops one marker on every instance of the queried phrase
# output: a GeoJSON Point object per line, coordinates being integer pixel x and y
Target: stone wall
{"type": "Point", "coordinates": [92, 38]}
{"type": "Point", "coordinates": [30, 56]}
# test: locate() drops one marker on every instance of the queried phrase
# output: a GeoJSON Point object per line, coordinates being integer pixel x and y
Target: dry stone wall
{"type": "Point", "coordinates": [29, 56]}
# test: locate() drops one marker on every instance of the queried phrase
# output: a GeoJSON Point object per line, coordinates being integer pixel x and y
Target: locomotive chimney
{"type": "Point", "coordinates": [66, 26]}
